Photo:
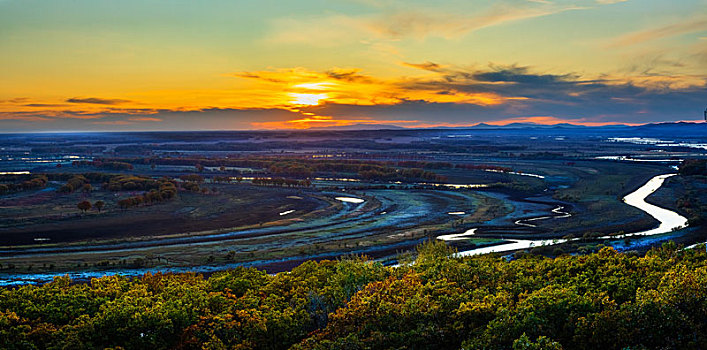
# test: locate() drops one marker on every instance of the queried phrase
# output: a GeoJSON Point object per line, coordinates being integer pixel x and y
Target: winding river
{"type": "Point", "coordinates": [669, 221]}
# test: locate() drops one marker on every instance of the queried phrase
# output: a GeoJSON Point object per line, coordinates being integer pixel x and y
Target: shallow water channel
{"type": "Point", "coordinates": [669, 221]}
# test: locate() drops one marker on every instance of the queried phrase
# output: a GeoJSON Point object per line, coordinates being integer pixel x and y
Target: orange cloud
{"type": "Point", "coordinates": [77, 108]}
{"type": "Point", "coordinates": [310, 121]}
{"type": "Point", "coordinates": [96, 100]}
{"type": "Point", "coordinates": [145, 119]}
{"type": "Point", "coordinates": [28, 118]}
{"type": "Point", "coordinates": [297, 86]}
{"type": "Point", "coordinates": [693, 25]}
{"type": "Point", "coordinates": [113, 122]}
{"type": "Point", "coordinates": [303, 98]}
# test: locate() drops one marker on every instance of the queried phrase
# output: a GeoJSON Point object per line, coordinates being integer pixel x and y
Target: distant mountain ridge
{"type": "Point", "coordinates": [664, 127]}
{"type": "Point", "coordinates": [526, 125]}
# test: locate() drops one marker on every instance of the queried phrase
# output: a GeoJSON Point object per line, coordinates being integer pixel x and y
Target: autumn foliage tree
{"type": "Point", "coordinates": [84, 206]}
{"type": "Point", "coordinates": [74, 183]}
{"type": "Point", "coordinates": [166, 190]}
{"type": "Point", "coordinates": [607, 300]}
{"type": "Point", "coordinates": [34, 182]}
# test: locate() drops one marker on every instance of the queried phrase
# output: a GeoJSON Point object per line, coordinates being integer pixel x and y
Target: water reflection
{"type": "Point", "coordinates": [350, 199]}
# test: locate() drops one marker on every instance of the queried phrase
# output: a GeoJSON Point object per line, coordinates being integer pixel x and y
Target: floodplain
{"type": "Point", "coordinates": [87, 205]}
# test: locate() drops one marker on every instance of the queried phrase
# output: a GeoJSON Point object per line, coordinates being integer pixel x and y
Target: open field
{"type": "Point", "coordinates": [50, 217]}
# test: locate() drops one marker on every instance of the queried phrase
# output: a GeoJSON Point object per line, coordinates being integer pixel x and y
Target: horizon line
{"type": "Point", "coordinates": [343, 128]}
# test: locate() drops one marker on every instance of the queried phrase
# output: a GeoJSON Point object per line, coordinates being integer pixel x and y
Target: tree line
{"type": "Point", "coordinates": [304, 167]}
{"type": "Point", "coordinates": [110, 165]}
{"type": "Point", "coordinates": [166, 190]}
{"type": "Point", "coordinates": [35, 182]}
{"type": "Point", "coordinates": [134, 183]}
{"type": "Point", "coordinates": [281, 182]}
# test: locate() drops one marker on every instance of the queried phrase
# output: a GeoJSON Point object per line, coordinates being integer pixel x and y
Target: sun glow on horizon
{"type": "Point", "coordinates": [304, 99]}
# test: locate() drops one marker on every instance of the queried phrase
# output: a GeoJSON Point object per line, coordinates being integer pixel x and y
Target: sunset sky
{"type": "Point", "coordinates": [195, 65]}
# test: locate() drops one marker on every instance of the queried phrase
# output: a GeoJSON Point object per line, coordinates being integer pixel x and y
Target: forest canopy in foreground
{"type": "Point", "coordinates": [607, 300]}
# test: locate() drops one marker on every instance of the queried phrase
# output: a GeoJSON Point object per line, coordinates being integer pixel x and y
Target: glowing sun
{"type": "Point", "coordinates": [306, 99]}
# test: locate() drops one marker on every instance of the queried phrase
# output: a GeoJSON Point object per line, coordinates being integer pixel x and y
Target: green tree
{"type": "Point", "coordinates": [542, 343]}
